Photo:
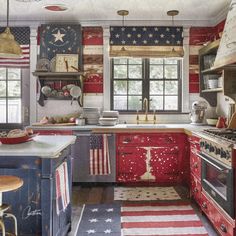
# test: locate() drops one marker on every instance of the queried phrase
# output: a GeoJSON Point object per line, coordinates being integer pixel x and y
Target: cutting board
{"type": "Point", "coordinates": [58, 124]}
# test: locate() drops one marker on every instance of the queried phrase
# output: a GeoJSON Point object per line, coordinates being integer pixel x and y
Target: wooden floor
{"type": "Point", "coordinates": [105, 194]}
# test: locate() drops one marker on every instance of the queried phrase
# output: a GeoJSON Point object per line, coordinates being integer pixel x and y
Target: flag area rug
{"type": "Point", "coordinates": [157, 219]}
{"type": "Point", "coordinates": [145, 193]}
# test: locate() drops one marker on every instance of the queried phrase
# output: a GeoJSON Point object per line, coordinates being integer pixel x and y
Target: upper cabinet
{"type": "Point", "coordinates": [214, 80]}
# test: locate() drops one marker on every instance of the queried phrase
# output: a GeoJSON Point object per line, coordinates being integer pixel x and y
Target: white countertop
{"type": "Point", "coordinates": [44, 146]}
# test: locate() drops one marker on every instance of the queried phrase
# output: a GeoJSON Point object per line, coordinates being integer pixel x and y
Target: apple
{"type": "Point", "coordinates": [72, 120]}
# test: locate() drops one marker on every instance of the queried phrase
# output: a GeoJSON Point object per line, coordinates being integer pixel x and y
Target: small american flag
{"type": "Point", "coordinates": [22, 36]}
{"type": "Point", "coordinates": [99, 155]}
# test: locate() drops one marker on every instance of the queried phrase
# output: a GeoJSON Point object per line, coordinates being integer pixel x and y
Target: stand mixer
{"type": "Point", "coordinates": [197, 113]}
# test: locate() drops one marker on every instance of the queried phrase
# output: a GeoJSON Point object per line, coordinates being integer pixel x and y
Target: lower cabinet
{"type": "Point", "coordinates": [195, 189]}
{"type": "Point", "coordinates": [160, 158]}
{"type": "Point", "coordinates": [223, 224]}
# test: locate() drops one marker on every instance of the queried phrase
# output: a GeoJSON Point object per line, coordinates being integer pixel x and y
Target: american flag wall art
{"type": "Point", "coordinates": [22, 36]}
{"type": "Point", "coordinates": [99, 155]}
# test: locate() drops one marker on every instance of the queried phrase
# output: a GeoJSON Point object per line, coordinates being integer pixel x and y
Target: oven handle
{"type": "Point", "coordinates": [205, 159]}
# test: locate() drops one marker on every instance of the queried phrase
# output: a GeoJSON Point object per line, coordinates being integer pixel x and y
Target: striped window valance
{"type": "Point", "coordinates": [146, 41]}
{"type": "Point", "coordinates": [22, 36]}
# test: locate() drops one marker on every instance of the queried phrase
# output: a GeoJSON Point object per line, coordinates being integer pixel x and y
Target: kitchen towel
{"type": "Point", "coordinates": [140, 219]}
{"type": "Point", "coordinates": [62, 187]}
{"type": "Point", "coordinates": [99, 155]}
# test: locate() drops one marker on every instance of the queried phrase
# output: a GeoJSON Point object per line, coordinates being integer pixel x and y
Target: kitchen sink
{"type": "Point", "coordinates": [146, 126]}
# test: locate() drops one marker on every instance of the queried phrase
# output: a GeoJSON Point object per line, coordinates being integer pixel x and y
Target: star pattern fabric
{"type": "Point", "coordinates": [100, 220]}
{"type": "Point", "coordinates": [146, 36]}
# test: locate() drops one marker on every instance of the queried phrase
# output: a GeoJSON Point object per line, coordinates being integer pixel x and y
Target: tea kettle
{"type": "Point", "coordinates": [197, 113]}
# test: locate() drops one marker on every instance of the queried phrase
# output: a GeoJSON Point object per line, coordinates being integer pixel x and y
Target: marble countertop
{"type": "Point", "coordinates": [187, 128]}
{"type": "Point", "coordinates": [44, 146]}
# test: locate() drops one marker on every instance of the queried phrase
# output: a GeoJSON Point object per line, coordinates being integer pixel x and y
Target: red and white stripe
{"type": "Point", "coordinates": [22, 62]}
{"type": "Point", "coordinates": [160, 219]}
{"type": "Point", "coordinates": [99, 159]}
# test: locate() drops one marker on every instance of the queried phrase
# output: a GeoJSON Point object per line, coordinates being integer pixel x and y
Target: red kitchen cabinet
{"type": "Point", "coordinates": [222, 223]}
{"type": "Point", "coordinates": [195, 189]}
{"type": "Point", "coordinates": [160, 158]}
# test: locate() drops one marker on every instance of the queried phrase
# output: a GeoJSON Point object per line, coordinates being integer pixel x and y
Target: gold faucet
{"type": "Point", "coordinates": [145, 107]}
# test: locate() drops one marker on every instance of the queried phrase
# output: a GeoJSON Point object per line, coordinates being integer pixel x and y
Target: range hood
{"type": "Point", "coordinates": [226, 53]}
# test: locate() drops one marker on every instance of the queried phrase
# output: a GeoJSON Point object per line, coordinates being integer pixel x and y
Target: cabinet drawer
{"type": "Point", "coordinates": [222, 222]}
{"type": "Point", "coordinates": [195, 163]}
{"type": "Point", "coordinates": [148, 139]}
{"type": "Point", "coordinates": [196, 189]}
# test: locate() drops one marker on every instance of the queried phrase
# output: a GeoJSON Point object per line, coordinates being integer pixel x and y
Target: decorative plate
{"type": "Point", "coordinates": [23, 139]}
{"type": "Point", "coordinates": [43, 64]}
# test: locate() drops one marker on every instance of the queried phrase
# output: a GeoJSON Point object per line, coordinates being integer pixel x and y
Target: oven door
{"type": "Point", "coordinates": [217, 181]}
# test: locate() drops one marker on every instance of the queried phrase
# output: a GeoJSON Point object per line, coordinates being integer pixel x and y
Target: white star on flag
{"type": "Point", "coordinates": [107, 231]}
{"type": "Point", "coordinates": [91, 231]}
{"type": "Point", "coordinates": [108, 220]}
{"type": "Point", "coordinates": [109, 209]}
{"type": "Point", "coordinates": [94, 210]}
{"type": "Point", "coordinates": [117, 36]}
{"type": "Point", "coordinates": [162, 35]}
{"type": "Point", "coordinates": [93, 220]}
{"type": "Point", "coordinates": [58, 36]}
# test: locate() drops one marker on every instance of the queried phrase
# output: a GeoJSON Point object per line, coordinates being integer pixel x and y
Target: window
{"type": "Point", "coordinates": [157, 79]}
{"type": "Point", "coordinates": [10, 95]}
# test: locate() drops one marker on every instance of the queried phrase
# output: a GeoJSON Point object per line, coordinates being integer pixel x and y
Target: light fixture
{"type": "Point", "coordinates": [9, 48]}
{"type": "Point", "coordinates": [123, 52]}
{"type": "Point", "coordinates": [173, 52]}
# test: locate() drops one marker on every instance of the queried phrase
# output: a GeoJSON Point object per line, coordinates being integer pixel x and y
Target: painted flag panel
{"type": "Point", "coordinates": [22, 36]}
{"type": "Point", "coordinates": [99, 155]}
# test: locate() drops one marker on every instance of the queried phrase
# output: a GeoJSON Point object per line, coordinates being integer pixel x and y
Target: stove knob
{"type": "Point", "coordinates": [222, 154]}
{"type": "Point", "coordinates": [217, 151]}
{"type": "Point", "coordinates": [207, 145]}
{"type": "Point", "coordinates": [202, 143]}
{"type": "Point", "coordinates": [227, 155]}
{"type": "Point", "coordinates": [211, 148]}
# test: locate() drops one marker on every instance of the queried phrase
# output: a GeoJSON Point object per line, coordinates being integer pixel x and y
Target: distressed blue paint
{"type": "Point", "coordinates": [34, 204]}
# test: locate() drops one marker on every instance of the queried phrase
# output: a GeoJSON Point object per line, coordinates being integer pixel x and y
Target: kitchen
{"type": "Point", "coordinates": [117, 113]}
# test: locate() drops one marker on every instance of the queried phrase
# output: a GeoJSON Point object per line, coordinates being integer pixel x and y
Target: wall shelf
{"type": "Point", "coordinates": [212, 90]}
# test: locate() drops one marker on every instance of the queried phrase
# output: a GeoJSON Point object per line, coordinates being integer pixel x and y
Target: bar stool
{"type": "Point", "coordinates": [8, 183]}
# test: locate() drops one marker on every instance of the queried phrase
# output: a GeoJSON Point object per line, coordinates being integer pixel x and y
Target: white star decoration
{"type": "Point", "coordinates": [117, 36]}
{"type": "Point", "coordinates": [162, 35]}
{"type": "Point", "coordinates": [91, 231]}
{"type": "Point", "coordinates": [93, 220]}
{"type": "Point", "coordinates": [108, 220]}
{"type": "Point", "coordinates": [109, 209]}
{"type": "Point", "coordinates": [134, 42]}
{"type": "Point", "coordinates": [58, 36]}
{"type": "Point", "coordinates": [94, 210]}
{"type": "Point", "coordinates": [134, 29]}
{"type": "Point", "coordinates": [107, 231]}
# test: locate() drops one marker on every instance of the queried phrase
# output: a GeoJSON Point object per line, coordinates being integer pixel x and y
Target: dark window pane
{"type": "Point", "coordinates": [3, 89]}
{"type": "Point", "coordinates": [156, 72]}
{"type": "Point", "coordinates": [134, 103]}
{"type": "Point", "coordinates": [120, 71]}
{"type": "Point", "coordinates": [156, 87]}
{"type": "Point", "coordinates": [171, 72]}
{"type": "Point", "coordinates": [14, 89]}
{"type": "Point", "coordinates": [171, 87]}
{"type": "Point", "coordinates": [120, 87]}
{"type": "Point", "coordinates": [2, 74]}
{"type": "Point", "coordinates": [135, 87]}
{"type": "Point", "coordinates": [135, 71]}
{"type": "Point", "coordinates": [171, 103]}
{"type": "Point", "coordinates": [120, 103]}
{"type": "Point", "coordinates": [156, 103]}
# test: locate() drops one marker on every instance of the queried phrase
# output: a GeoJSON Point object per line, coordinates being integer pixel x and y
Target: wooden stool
{"type": "Point", "coordinates": [8, 183]}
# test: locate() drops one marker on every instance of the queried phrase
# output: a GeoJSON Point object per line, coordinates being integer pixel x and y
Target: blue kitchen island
{"type": "Point", "coordinates": [36, 204]}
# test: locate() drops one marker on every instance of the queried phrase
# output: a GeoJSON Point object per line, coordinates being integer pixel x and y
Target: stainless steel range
{"type": "Point", "coordinates": [217, 149]}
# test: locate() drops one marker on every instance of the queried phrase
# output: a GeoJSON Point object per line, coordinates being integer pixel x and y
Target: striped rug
{"type": "Point", "coordinates": [153, 219]}
{"type": "Point", "coordinates": [167, 219]}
